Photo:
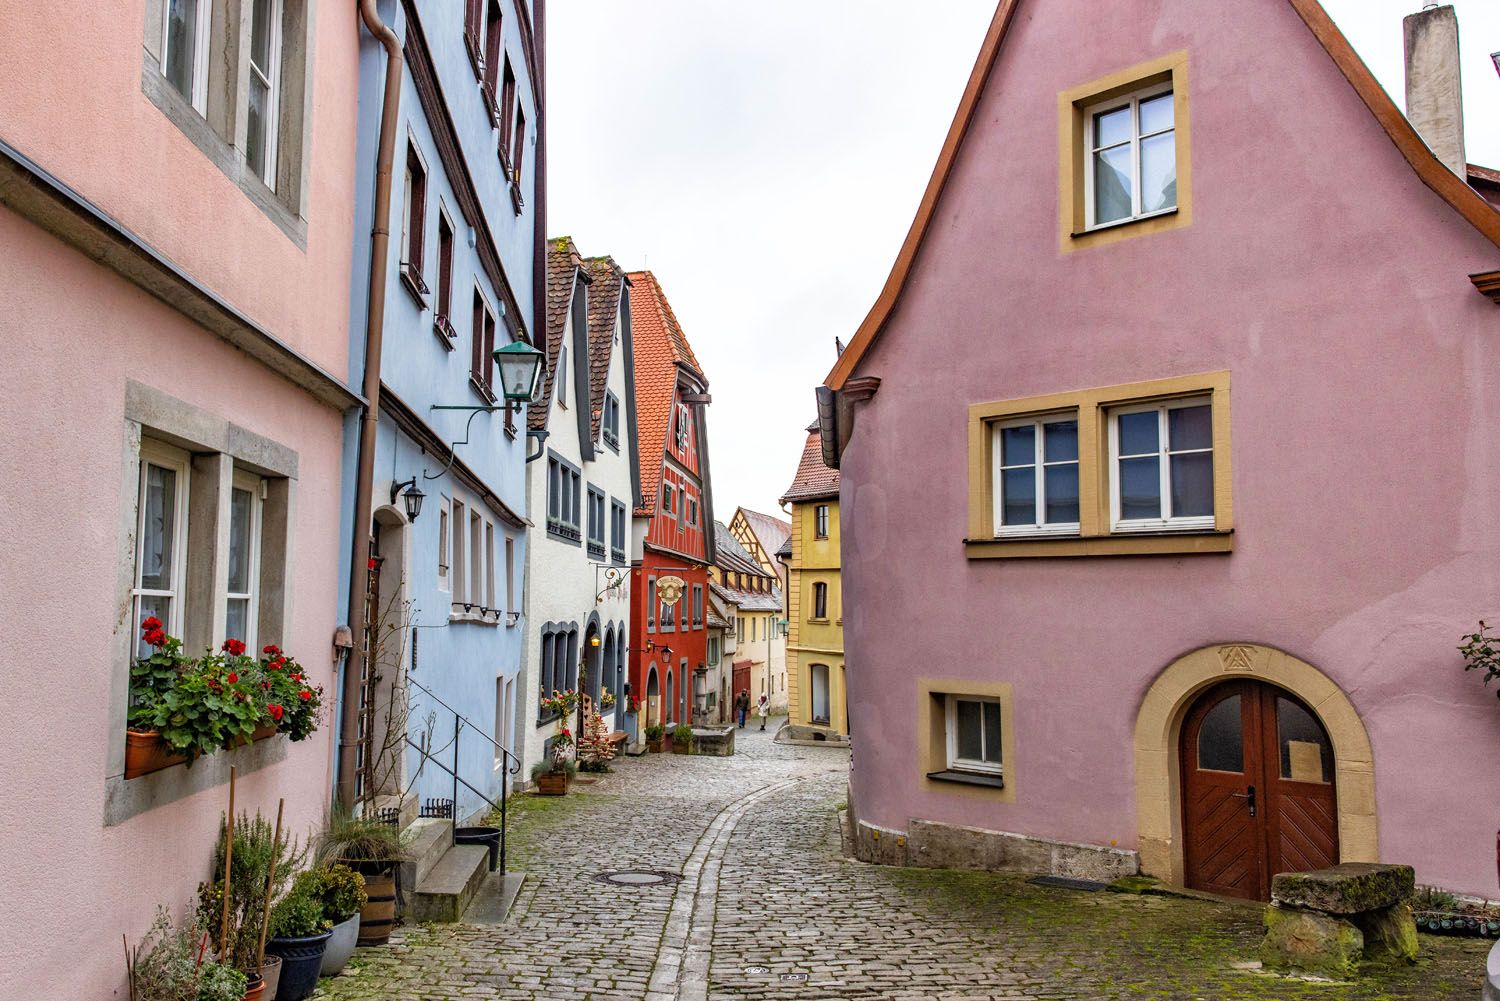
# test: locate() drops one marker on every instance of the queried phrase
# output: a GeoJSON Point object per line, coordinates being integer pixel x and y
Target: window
{"type": "Point", "coordinates": [413, 223]}
{"type": "Point", "coordinates": [973, 729]}
{"type": "Point", "coordinates": [753, 621]}
{"type": "Point", "coordinates": [476, 560]}
{"type": "Point", "coordinates": [459, 523]}
{"type": "Point", "coordinates": [1132, 156]}
{"type": "Point", "coordinates": [481, 355]}
{"type": "Point", "coordinates": [473, 29]}
{"type": "Point", "coordinates": [611, 420]}
{"type": "Point", "coordinates": [1037, 459]}
{"type": "Point", "coordinates": [697, 605]}
{"type": "Point", "coordinates": [489, 565]}
{"type": "Point", "coordinates": [517, 151]}
{"type": "Point", "coordinates": [617, 517]}
{"type": "Point", "coordinates": [1139, 469]}
{"type": "Point", "coordinates": [561, 377]}
{"type": "Point", "coordinates": [596, 523]}
{"type": "Point", "coordinates": [692, 511]}
{"type": "Point", "coordinates": [712, 658]}
{"type": "Point", "coordinates": [564, 499]}
{"type": "Point", "coordinates": [739, 627]}
{"type": "Point", "coordinates": [265, 89]}
{"type": "Point", "coordinates": [184, 50]}
{"type": "Point", "coordinates": [444, 544]}
{"type": "Point", "coordinates": [651, 605]}
{"type": "Point", "coordinates": [820, 517]}
{"type": "Point", "coordinates": [1162, 466]}
{"type": "Point", "coordinates": [510, 574]}
{"type": "Point", "coordinates": [244, 559]}
{"type": "Point", "coordinates": [820, 699]}
{"type": "Point", "coordinates": [161, 538]}
{"type": "Point", "coordinates": [506, 119]}
{"type": "Point", "coordinates": [820, 600]}
{"type": "Point", "coordinates": [668, 617]}
{"type": "Point", "coordinates": [682, 427]}
{"type": "Point", "coordinates": [442, 319]}
{"type": "Point", "coordinates": [489, 84]}
{"type": "Point", "coordinates": [668, 499]}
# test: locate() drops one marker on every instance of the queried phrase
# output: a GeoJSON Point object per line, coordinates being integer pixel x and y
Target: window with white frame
{"type": "Point", "coordinates": [265, 89]}
{"type": "Point", "coordinates": [444, 546]}
{"type": "Point", "coordinates": [820, 701]}
{"type": "Point", "coordinates": [184, 59]}
{"type": "Point", "coordinates": [161, 538]}
{"type": "Point", "coordinates": [668, 499]}
{"type": "Point", "coordinates": [820, 516]}
{"type": "Point", "coordinates": [1162, 466]}
{"type": "Point", "coordinates": [458, 526]}
{"type": "Point", "coordinates": [820, 601]}
{"type": "Point", "coordinates": [973, 731]}
{"type": "Point", "coordinates": [489, 565]}
{"type": "Point", "coordinates": [1131, 170]}
{"type": "Point", "coordinates": [1036, 463]}
{"type": "Point", "coordinates": [510, 574]}
{"type": "Point", "coordinates": [244, 559]}
{"type": "Point", "coordinates": [475, 559]}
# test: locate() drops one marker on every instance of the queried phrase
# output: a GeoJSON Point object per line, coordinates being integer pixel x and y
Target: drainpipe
{"type": "Point", "coordinates": [380, 239]}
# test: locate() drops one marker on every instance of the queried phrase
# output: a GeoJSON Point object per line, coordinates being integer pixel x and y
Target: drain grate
{"type": "Point", "coordinates": [638, 877]}
{"type": "Point", "coordinates": [1068, 883]}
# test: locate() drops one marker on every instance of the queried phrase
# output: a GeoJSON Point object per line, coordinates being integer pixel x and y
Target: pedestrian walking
{"type": "Point", "coordinates": [742, 706]}
{"type": "Point", "coordinates": [763, 710]}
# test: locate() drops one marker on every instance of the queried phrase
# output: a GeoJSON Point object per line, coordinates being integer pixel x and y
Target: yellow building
{"type": "Point", "coordinates": [815, 602]}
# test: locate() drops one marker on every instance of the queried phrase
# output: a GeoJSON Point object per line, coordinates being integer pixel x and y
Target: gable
{"type": "Point", "coordinates": [1299, 55]}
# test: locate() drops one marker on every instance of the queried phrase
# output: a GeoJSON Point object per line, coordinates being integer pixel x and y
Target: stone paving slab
{"type": "Point", "coordinates": [766, 888]}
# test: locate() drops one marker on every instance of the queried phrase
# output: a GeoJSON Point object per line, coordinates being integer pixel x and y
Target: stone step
{"type": "Point", "coordinates": [430, 839]}
{"type": "Point", "coordinates": [447, 889]}
{"type": "Point", "coordinates": [495, 898]}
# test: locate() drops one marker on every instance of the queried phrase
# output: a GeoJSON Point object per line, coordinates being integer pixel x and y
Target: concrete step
{"type": "Point", "coordinates": [446, 890]}
{"type": "Point", "coordinates": [495, 898]}
{"type": "Point", "coordinates": [430, 839]}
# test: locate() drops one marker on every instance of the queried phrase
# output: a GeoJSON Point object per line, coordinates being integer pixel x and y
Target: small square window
{"type": "Point", "coordinates": [1131, 171]}
{"type": "Point", "coordinates": [973, 734]}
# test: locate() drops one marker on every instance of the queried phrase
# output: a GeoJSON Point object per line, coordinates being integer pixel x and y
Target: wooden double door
{"type": "Point", "coordinates": [1258, 796]}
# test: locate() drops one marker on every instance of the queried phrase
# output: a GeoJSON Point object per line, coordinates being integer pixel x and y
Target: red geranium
{"type": "Point", "coordinates": [150, 624]}
{"type": "Point", "coordinates": [273, 648]}
{"type": "Point", "coordinates": [233, 678]}
{"type": "Point", "coordinates": [275, 712]}
{"type": "Point", "coordinates": [234, 647]}
{"type": "Point", "coordinates": [156, 638]}
{"type": "Point", "coordinates": [304, 695]}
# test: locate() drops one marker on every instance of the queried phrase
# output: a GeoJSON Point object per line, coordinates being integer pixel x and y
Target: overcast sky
{"type": "Point", "coordinates": [765, 161]}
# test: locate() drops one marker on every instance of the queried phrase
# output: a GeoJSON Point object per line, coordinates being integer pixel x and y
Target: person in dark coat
{"type": "Point", "coordinates": [742, 706]}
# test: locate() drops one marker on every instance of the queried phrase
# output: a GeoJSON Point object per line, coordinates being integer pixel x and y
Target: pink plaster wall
{"type": "Point", "coordinates": [74, 334]}
{"type": "Point", "coordinates": [72, 101]}
{"type": "Point", "coordinates": [1365, 370]}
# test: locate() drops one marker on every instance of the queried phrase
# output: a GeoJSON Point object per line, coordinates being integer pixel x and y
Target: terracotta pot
{"type": "Point", "coordinates": [552, 784]}
{"type": "Point", "coordinates": [255, 990]}
{"type": "Point", "coordinates": [145, 753]}
{"type": "Point", "coordinates": [379, 914]}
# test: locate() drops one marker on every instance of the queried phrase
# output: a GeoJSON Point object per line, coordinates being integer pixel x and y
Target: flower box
{"type": "Point", "coordinates": [552, 784]}
{"type": "Point", "coordinates": [146, 753]}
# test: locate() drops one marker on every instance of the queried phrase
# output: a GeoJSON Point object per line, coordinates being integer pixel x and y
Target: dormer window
{"type": "Point", "coordinates": [682, 427]}
{"type": "Point", "coordinates": [1132, 164]}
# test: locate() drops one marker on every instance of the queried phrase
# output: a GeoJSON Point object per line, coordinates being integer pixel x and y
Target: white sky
{"type": "Point", "coordinates": [765, 161]}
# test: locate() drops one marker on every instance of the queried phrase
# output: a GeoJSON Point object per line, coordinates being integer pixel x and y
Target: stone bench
{"type": "Point", "coordinates": [1328, 920]}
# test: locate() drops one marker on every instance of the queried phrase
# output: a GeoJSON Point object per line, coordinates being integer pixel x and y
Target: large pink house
{"type": "Point", "coordinates": [176, 191]}
{"type": "Point", "coordinates": [1192, 533]}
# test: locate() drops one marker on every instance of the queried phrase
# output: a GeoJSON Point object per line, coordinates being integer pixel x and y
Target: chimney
{"type": "Point", "coordinates": [1434, 94]}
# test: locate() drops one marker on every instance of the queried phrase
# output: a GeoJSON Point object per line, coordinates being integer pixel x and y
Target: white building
{"type": "Point", "coordinates": [581, 490]}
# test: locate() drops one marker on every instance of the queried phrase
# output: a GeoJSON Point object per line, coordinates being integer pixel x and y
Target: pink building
{"type": "Point", "coordinates": [175, 317]}
{"type": "Point", "coordinates": [1192, 534]}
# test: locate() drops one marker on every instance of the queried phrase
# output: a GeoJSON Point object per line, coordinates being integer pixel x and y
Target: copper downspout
{"type": "Point", "coordinates": [380, 240]}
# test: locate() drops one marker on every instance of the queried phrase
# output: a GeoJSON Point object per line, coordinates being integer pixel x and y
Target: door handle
{"type": "Point", "coordinates": [1249, 796]}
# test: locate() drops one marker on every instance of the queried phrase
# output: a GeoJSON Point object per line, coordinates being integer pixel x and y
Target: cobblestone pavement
{"type": "Point", "coordinates": [768, 909]}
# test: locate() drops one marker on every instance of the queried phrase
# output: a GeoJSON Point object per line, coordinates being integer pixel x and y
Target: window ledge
{"type": "Point", "coordinates": [818, 622]}
{"type": "Point", "coordinates": [442, 327]}
{"type": "Point", "coordinates": [482, 391]}
{"type": "Point", "coordinates": [968, 778]}
{"type": "Point", "coordinates": [1102, 227]}
{"type": "Point", "coordinates": [412, 281]}
{"type": "Point", "coordinates": [1178, 543]}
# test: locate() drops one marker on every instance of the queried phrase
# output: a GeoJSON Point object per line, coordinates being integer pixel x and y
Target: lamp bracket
{"type": "Point", "coordinates": [396, 488]}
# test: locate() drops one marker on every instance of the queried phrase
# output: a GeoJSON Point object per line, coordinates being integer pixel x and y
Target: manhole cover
{"type": "Point", "coordinates": [638, 877]}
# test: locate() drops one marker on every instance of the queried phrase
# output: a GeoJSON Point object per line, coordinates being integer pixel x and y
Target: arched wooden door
{"type": "Point", "coordinates": [1257, 790]}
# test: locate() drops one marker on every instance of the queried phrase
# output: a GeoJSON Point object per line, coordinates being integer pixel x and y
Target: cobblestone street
{"type": "Point", "coordinates": [768, 909]}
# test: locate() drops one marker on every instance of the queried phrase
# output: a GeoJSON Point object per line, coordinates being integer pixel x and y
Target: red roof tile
{"type": "Point", "coordinates": [813, 480]}
{"type": "Point", "coordinates": [660, 347]}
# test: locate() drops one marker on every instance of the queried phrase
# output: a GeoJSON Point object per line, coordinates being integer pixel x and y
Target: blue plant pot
{"type": "Point", "coordinates": [301, 959]}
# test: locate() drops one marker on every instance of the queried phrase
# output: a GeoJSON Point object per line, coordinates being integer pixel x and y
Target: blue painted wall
{"type": "Point", "coordinates": [459, 660]}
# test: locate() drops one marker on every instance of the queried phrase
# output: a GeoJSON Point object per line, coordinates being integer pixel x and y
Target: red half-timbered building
{"type": "Point", "coordinates": [667, 659]}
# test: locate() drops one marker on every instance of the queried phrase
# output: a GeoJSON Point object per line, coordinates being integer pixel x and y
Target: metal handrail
{"type": "Point", "coordinates": [472, 725]}
{"type": "Point", "coordinates": [426, 754]}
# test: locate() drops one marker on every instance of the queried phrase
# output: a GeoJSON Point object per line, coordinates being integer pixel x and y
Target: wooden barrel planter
{"type": "Point", "coordinates": [378, 916]}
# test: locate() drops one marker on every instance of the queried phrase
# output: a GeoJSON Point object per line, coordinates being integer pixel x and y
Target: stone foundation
{"type": "Point", "coordinates": [714, 742]}
{"type": "Point", "coordinates": [929, 844]}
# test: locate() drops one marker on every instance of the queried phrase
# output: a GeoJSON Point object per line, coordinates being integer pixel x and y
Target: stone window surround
{"type": "Point", "coordinates": [220, 132]}
{"type": "Point", "coordinates": [932, 739]}
{"type": "Point", "coordinates": [217, 448]}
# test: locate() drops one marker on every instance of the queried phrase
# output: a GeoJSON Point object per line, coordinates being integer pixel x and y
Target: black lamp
{"type": "Point", "coordinates": [414, 497]}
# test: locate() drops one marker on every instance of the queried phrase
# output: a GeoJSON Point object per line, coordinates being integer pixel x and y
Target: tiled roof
{"type": "Point", "coordinates": [734, 558]}
{"type": "Point", "coordinates": [604, 305]}
{"type": "Point", "coordinates": [769, 529]}
{"type": "Point", "coordinates": [813, 480]}
{"type": "Point", "coordinates": [562, 267]}
{"type": "Point", "coordinates": [660, 346]}
{"type": "Point", "coordinates": [785, 552]}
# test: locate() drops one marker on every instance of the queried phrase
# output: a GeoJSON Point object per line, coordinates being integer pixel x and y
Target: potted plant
{"type": "Point", "coordinates": [654, 734]}
{"type": "Point", "coordinates": [682, 739]}
{"type": "Point", "coordinates": [343, 898]}
{"type": "Point", "coordinates": [299, 935]}
{"type": "Point", "coordinates": [260, 860]}
{"type": "Point", "coordinates": [373, 849]}
{"type": "Point", "coordinates": [182, 708]}
{"type": "Point", "coordinates": [175, 962]}
{"type": "Point", "coordinates": [552, 777]}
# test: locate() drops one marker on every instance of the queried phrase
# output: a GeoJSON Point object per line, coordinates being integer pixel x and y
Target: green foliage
{"type": "Point", "coordinates": [655, 731]}
{"type": "Point", "coordinates": [343, 893]}
{"type": "Point", "coordinates": [255, 845]}
{"type": "Point", "coordinates": [176, 964]}
{"type": "Point", "coordinates": [1430, 898]}
{"type": "Point", "coordinates": [682, 733]}
{"type": "Point", "coordinates": [348, 838]}
{"type": "Point", "coordinates": [300, 912]}
{"type": "Point", "coordinates": [594, 765]}
{"type": "Point", "coordinates": [1482, 653]}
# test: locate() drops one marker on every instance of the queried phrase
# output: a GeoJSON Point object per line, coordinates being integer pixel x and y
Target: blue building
{"type": "Point", "coordinates": [449, 534]}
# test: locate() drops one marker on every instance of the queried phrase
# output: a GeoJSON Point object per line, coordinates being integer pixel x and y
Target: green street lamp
{"type": "Point", "coordinates": [520, 367]}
